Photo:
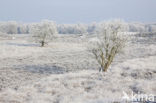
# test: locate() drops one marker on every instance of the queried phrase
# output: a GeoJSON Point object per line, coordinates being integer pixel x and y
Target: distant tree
{"type": "Point", "coordinates": [72, 28]}
{"type": "Point", "coordinates": [80, 28]}
{"type": "Point", "coordinates": [110, 42]}
{"type": "Point", "coordinates": [44, 31]}
{"type": "Point", "coordinates": [153, 28]}
{"type": "Point", "coordinates": [92, 28]}
{"type": "Point", "coordinates": [137, 27]}
{"type": "Point", "coordinates": [12, 27]}
{"type": "Point", "coordinates": [23, 29]}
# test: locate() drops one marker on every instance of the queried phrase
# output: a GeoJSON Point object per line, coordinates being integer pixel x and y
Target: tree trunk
{"type": "Point", "coordinates": [42, 43]}
{"type": "Point", "coordinates": [105, 69]}
{"type": "Point", "coordinates": [100, 69]}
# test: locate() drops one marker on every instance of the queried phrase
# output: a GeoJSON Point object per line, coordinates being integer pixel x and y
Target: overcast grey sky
{"type": "Point", "coordinates": [74, 11]}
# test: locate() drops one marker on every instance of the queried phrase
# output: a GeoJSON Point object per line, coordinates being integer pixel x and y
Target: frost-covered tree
{"type": "Point", "coordinates": [152, 28]}
{"type": "Point", "coordinates": [12, 27]}
{"type": "Point", "coordinates": [80, 28]}
{"type": "Point", "coordinates": [92, 28]}
{"type": "Point", "coordinates": [23, 29]}
{"type": "Point", "coordinates": [137, 27]}
{"type": "Point", "coordinates": [9, 27]}
{"type": "Point", "coordinates": [72, 28]}
{"type": "Point", "coordinates": [110, 42]}
{"type": "Point", "coordinates": [44, 31]}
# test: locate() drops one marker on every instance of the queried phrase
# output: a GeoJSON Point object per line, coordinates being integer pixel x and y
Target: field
{"type": "Point", "coordinates": [64, 71]}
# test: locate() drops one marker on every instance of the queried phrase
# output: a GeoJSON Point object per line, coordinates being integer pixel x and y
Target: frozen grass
{"type": "Point", "coordinates": [65, 72]}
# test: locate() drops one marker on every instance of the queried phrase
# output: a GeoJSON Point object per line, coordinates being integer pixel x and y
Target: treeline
{"type": "Point", "coordinates": [13, 27]}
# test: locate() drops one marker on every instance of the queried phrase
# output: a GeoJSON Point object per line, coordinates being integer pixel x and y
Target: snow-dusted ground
{"type": "Point", "coordinates": [65, 72]}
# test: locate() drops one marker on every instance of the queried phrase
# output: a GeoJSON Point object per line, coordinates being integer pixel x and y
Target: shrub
{"type": "Point", "coordinates": [44, 31]}
{"type": "Point", "coordinates": [111, 41]}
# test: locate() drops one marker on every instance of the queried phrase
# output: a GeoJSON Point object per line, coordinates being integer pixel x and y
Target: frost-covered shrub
{"type": "Point", "coordinates": [110, 42]}
{"type": "Point", "coordinates": [44, 31]}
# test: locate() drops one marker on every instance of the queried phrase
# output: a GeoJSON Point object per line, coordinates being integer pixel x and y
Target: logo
{"type": "Point", "coordinates": [138, 97]}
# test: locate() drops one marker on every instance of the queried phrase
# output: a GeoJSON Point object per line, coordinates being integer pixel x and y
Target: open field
{"type": "Point", "coordinates": [65, 72]}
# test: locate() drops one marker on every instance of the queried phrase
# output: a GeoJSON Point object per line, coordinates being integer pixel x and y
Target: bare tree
{"type": "Point", "coordinates": [110, 42]}
{"type": "Point", "coordinates": [44, 31]}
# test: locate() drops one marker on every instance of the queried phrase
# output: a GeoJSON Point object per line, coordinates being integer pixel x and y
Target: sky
{"type": "Point", "coordinates": [77, 11]}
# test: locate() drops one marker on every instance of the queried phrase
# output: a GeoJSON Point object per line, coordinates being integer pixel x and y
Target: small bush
{"type": "Point", "coordinates": [44, 31]}
{"type": "Point", "coordinates": [111, 41]}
